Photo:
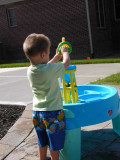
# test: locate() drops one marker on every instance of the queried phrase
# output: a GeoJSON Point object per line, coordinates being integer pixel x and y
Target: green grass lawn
{"type": "Point", "coordinates": [95, 61]}
{"type": "Point", "coordinates": [114, 79]}
{"type": "Point", "coordinates": [11, 65]}
{"type": "Point", "coordinates": [91, 61]}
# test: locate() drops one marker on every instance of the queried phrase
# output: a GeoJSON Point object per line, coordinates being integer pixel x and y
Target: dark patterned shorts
{"type": "Point", "coordinates": [50, 128]}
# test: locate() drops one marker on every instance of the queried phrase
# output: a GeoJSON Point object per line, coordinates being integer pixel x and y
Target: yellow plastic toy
{"type": "Point", "coordinates": [66, 44]}
{"type": "Point", "coordinates": [70, 92]}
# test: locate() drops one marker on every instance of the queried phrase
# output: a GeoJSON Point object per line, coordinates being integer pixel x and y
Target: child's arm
{"type": "Point", "coordinates": [66, 58]}
{"type": "Point", "coordinates": [56, 58]}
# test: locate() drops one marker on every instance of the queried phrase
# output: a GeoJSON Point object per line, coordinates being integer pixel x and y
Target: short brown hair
{"type": "Point", "coordinates": [35, 43]}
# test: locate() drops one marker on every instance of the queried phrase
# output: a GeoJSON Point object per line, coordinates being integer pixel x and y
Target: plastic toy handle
{"type": "Point", "coordinates": [66, 44]}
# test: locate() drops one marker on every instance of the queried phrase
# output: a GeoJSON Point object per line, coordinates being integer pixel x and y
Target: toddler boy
{"type": "Point", "coordinates": [48, 115]}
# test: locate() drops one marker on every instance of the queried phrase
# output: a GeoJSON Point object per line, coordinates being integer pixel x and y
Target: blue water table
{"type": "Point", "coordinates": [85, 105]}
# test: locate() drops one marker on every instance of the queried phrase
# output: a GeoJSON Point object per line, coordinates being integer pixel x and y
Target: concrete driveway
{"type": "Point", "coordinates": [15, 89]}
{"type": "Point", "coordinates": [91, 72]}
{"type": "Point", "coordinates": [14, 86]}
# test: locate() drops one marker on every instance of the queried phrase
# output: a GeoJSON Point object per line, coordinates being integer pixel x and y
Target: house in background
{"type": "Point", "coordinates": [92, 26]}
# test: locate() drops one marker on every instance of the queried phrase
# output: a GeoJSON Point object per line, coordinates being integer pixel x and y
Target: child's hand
{"type": "Point", "coordinates": [64, 49]}
{"type": "Point", "coordinates": [57, 56]}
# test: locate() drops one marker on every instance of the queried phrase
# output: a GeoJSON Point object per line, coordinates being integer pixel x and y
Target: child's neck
{"type": "Point", "coordinates": [35, 61]}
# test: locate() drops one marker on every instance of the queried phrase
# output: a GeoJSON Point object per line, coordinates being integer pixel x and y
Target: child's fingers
{"type": "Point", "coordinates": [57, 51]}
{"type": "Point", "coordinates": [60, 55]}
{"type": "Point", "coordinates": [64, 49]}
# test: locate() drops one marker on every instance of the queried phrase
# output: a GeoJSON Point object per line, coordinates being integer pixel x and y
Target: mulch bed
{"type": "Point", "coordinates": [8, 116]}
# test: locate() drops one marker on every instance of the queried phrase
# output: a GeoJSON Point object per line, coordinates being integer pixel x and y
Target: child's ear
{"type": "Point", "coordinates": [42, 55]}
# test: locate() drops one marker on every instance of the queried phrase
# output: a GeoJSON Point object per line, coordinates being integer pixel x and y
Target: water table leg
{"type": "Point", "coordinates": [72, 147]}
{"type": "Point", "coordinates": [116, 124]}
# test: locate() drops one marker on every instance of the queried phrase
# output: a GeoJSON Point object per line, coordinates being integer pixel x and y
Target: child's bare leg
{"type": "Point", "coordinates": [54, 155]}
{"type": "Point", "coordinates": [42, 152]}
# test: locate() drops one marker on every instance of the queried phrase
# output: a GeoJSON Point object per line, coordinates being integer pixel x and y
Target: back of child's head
{"type": "Point", "coordinates": [35, 44]}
